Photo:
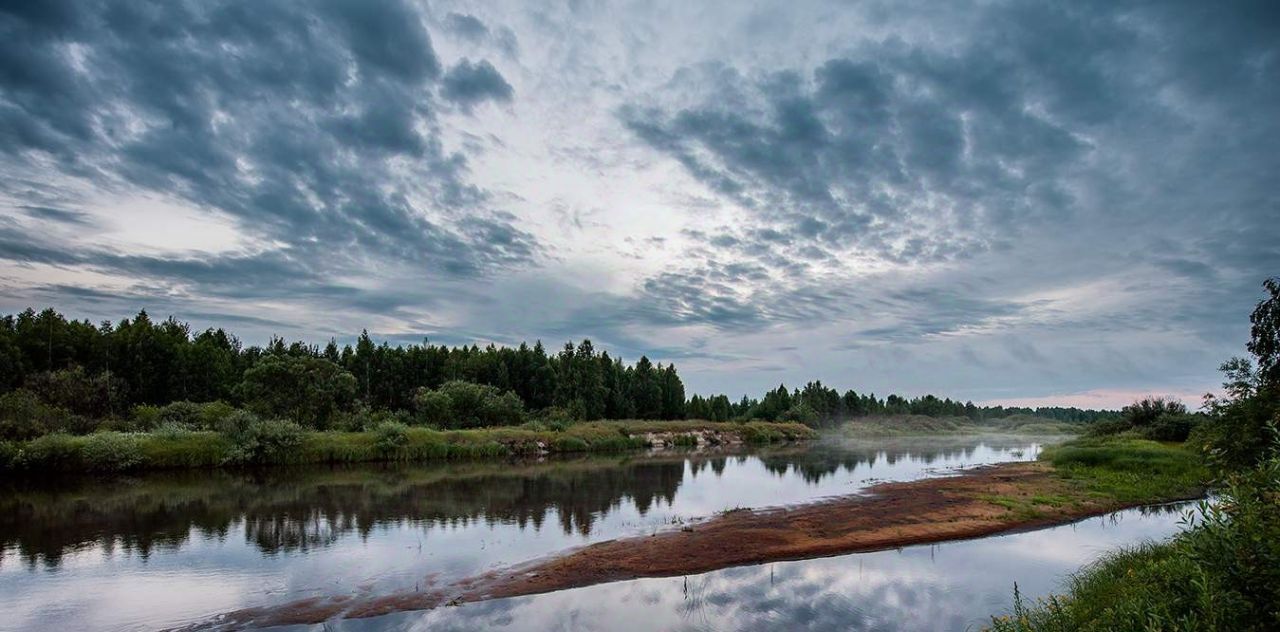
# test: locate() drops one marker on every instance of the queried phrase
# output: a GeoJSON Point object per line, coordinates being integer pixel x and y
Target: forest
{"type": "Point", "coordinates": [65, 375]}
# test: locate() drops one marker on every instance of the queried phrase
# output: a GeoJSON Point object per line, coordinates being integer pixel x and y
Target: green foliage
{"type": "Point", "coordinates": [1156, 418]}
{"type": "Point", "coordinates": [390, 436]}
{"type": "Point", "coordinates": [1222, 574]}
{"type": "Point", "coordinates": [24, 416]}
{"type": "Point", "coordinates": [1147, 411]}
{"type": "Point", "coordinates": [111, 452]}
{"type": "Point", "coordinates": [303, 389]}
{"type": "Point", "coordinates": [78, 391]}
{"type": "Point", "coordinates": [458, 404]}
{"type": "Point", "coordinates": [53, 452]}
{"type": "Point", "coordinates": [8, 454]}
{"type": "Point", "coordinates": [1264, 333]}
{"type": "Point", "coordinates": [569, 444]}
{"type": "Point", "coordinates": [261, 441]}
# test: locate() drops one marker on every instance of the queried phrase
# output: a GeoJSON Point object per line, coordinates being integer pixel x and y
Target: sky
{"type": "Point", "coordinates": [1023, 202]}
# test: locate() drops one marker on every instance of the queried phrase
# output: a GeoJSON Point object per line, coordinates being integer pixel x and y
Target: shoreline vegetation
{"type": "Point", "coordinates": [143, 393]}
{"type": "Point", "coordinates": [111, 451]}
{"type": "Point", "coordinates": [1223, 571]}
{"type": "Point", "coordinates": [1070, 482]}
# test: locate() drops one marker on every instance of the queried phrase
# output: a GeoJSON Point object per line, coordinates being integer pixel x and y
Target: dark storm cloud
{"type": "Point", "coordinates": [468, 84]}
{"type": "Point", "coordinates": [312, 124]}
{"type": "Point", "coordinates": [467, 26]}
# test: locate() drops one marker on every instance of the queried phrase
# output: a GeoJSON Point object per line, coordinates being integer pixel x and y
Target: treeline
{"type": "Point", "coordinates": [52, 367]}
{"type": "Point", "coordinates": [817, 404]}
{"type": "Point", "coordinates": [107, 370]}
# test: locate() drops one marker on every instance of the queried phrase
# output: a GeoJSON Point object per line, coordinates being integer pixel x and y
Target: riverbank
{"type": "Point", "coordinates": [117, 451]}
{"type": "Point", "coordinates": [880, 426]}
{"type": "Point", "coordinates": [1071, 482]}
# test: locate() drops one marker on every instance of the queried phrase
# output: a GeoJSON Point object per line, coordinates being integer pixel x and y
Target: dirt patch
{"type": "Point", "coordinates": [978, 502]}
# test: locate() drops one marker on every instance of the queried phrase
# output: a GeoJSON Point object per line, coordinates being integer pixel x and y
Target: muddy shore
{"type": "Point", "coordinates": [889, 515]}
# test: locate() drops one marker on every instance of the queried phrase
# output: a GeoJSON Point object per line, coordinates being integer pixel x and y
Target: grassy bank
{"type": "Point", "coordinates": [918, 425]}
{"type": "Point", "coordinates": [1221, 574]}
{"type": "Point", "coordinates": [1110, 474]}
{"type": "Point", "coordinates": [118, 451]}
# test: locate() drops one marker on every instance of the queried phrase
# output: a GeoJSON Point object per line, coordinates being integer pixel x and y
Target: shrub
{"type": "Point", "coordinates": [210, 414]}
{"type": "Point", "coordinates": [89, 395]}
{"type": "Point", "coordinates": [458, 404]}
{"type": "Point", "coordinates": [8, 454]}
{"type": "Point", "coordinates": [1171, 428]}
{"type": "Point", "coordinates": [306, 390]}
{"type": "Point", "coordinates": [800, 412]}
{"type": "Point", "coordinates": [23, 416]}
{"type": "Point", "coordinates": [183, 412]}
{"type": "Point", "coordinates": [390, 436]}
{"type": "Point", "coordinates": [1145, 412]}
{"type": "Point", "coordinates": [57, 451]}
{"type": "Point", "coordinates": [111, 452]}
{"type": "Point", "coordinates": [171, 430]}
{"type": "Point", "coordinates": [1222, 574]}
{"type": "Point", "coordinates": [261, 440]}
{"type": "Point", "coordinates": [569, 444]}
{"type": "Point", "coordinates": [145, 417]}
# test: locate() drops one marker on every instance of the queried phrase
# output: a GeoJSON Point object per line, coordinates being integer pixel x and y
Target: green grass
{"type": "Point", "coordinates": [1130, 470]}
{"type": "Point", "coordinates": [114, 451]}
{"type": "Point", "coordinates": [912, 425]}
{"type": "Point", "coordinates": [1111, 472]}
{"type": "Point", "coordinates": [1222, 574]}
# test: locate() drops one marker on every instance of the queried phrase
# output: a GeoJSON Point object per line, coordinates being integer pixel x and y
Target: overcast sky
{"type": "Point", "coordinates": [1042, 202]}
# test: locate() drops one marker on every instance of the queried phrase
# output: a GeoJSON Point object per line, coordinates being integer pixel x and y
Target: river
{"type": "Point", "coordinates": [168, 549]}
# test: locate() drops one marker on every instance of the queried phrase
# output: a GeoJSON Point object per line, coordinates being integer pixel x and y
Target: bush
{"type": "Point", "coordinates": [210, 414]}
{"type": "Point", "coordinates": [1107, 427]}
{"type": "Point", "coordinates": [171, 430]}
{"type": "Point", "coordinates": [89, 395]}
{"type": "Point", "coordinates": [57, 451]}
{"type": "Point", "coordinates": [1222, 574]}
{"type": "Point", "coordinates": [458, 404]}
{"type": "Point", "coordinates": [569, 444]}
{"type": "Point", "coordinates": [24, 416]}
{"type": "Point", "coordinates": [261, 440]}
{"type": "Point", "coordinates": [8, 454]}
{"type": "Point", "coordinates": [1146, 411]}
{"type": "Point", "coordinates": [145, 417]}
{"type": "Point", "coordinates": [111, 452]}
{"type": "Point", "coordinates": [1171, 428]}
{"type": "Point", "coordinates": [306, 390]}
{"type": "Point", "coordinates": [390, 436]}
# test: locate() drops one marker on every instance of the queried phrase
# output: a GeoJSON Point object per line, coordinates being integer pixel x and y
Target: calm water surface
{"type": "Point", "coordinates": [161, 550]}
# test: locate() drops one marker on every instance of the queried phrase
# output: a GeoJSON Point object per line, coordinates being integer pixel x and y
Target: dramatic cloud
{"type": "Point", "coordinates": [991, 200]}
{"type": "Point", "coordinates": [469, 84]}
{"type": "Point", "coordinates": [312, 126]}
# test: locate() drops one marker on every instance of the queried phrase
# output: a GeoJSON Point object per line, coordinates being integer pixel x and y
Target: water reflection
{"type": "Point", "coordinates": [950, 586]}
{"type": "Point", "coordinates": [185, 545]}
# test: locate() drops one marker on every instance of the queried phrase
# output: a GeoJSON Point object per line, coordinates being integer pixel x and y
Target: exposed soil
{"type": "Point", "coordinates": [889, 515]}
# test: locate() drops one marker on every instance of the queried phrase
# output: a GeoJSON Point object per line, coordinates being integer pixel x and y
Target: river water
{"type": "Point", "coordinates": [169, 549]}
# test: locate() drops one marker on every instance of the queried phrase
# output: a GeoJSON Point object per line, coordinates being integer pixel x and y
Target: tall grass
{"type": "Point", "coordinates": [1221, 574]}
{"type": "Point", "coordinates": [251, 441]}
{"type": "Point", "coordinates": [1130, 470]}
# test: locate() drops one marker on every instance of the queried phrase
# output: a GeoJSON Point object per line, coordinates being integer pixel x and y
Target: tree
{"type": "Point", "coordinates": [672, 393]}
{"type": "Point", "coordinates": [1264, 342]}
{"type": "Point", "coordinates": [1245, 419]}
{"type": "Point", "coordinates": [306, 390]}
{"type": "Point", "coordinates": [459, 404]}
{"type": "Point", "coordinates": [646, 391]}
